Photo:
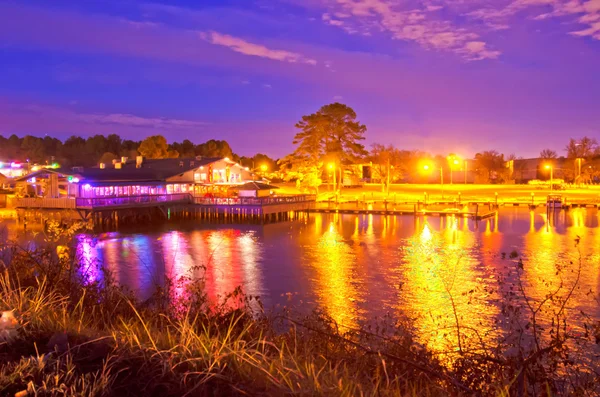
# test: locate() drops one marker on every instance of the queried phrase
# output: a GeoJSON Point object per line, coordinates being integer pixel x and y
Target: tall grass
{"type": "Point", "coordinates": [77, 337]}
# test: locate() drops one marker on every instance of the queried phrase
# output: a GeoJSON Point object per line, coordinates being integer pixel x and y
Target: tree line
{"type": "Point", "coordinates": [329, 144]}
{"type": "Point", "coordinates": [78, 151]}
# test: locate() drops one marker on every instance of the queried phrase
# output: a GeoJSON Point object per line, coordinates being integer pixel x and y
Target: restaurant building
{"type": "Point", "coordinates": [140, 177]}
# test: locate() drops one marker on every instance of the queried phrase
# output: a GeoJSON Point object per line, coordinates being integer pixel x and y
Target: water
{"type": "Point", "coordinates": [357, 267]}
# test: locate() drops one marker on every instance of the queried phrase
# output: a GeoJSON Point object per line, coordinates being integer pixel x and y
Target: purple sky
{"type": "Point", "coordinates": [437, 75]}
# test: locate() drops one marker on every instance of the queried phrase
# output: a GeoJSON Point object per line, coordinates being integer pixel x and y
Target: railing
{"type": "Point", "coordinates": [99, 202]}
{"type": "Point", "coordinates": [43, 202]}
{"type": "Point", "coordinates": [256, 201]}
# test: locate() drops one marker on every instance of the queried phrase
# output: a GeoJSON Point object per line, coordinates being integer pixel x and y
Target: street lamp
{"type": "Point", "coordinates": [452, 160]}
{"type": "Point", "coordinates": [549, 167]}
{"type": "Point", "coordinates": [332, 168]}
{"type": "Point", "coordinates": [427, 167]}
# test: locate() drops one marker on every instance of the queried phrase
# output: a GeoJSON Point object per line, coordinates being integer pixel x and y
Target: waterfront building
{"type": "Point", "coordinates": [139, 177]}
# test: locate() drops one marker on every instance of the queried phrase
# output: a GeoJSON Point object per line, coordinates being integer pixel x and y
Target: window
{"type": "Point", "coordinates": [169, 189]}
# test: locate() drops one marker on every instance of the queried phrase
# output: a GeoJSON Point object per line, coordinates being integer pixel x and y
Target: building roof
{"type": "Point", "coordinates": [254, 186]}
{"type": "Point", "coordinates": [151, 170]}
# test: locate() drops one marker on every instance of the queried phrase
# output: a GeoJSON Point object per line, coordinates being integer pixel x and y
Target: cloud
{"type": "Point", "coordinates": [408, 23]}
{"type": "Point", "coordinates": [244, 47]}
{"type": "Point", "coordinates": [587, 10]}
{"type": "Point", "coordinates": [107, 119]}
{"type": "Point", "coordinates": [124, 119]}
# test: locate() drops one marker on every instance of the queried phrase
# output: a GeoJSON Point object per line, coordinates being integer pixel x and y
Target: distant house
{"type": "Point", "coordinates": [200, 175]}
{"type": "Point", "coordinates": [525, 170]}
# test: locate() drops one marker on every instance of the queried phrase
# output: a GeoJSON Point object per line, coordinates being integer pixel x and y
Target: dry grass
{"type": "Point", "coordinates": [66, 347]}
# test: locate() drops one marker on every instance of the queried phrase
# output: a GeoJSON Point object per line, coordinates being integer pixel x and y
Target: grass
{"type": "Point", "coordinates": [71, 337]}
{"type": "Point", "coordinates": [117, 347]}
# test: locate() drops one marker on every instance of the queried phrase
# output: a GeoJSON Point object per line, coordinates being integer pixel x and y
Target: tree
{"type": "Point", "coordinates": [156, 147]}
{"type": "Point", "coordinates": [548, 154]}
{"type": "Point", "coordinates": [386, 163]}
{"type": "Point", "coordinates": [32, 148]}
{"type": "Point", "coordinates": [491, 165]}
{"type": "Point", "coordinates": [185, 148]}
{"type": "Point", "coordinates": [584, 148]}
{"type": "Point", "coordinates": [215, 148]}
{"type": "Point", "coordinates": [331, 135]}
{"type": "Point", "coordinates": [305, 173]}
{"type": "Point", "coordinates": [74, 151]}
{"type": "Point", "coordinates": [107, 158]}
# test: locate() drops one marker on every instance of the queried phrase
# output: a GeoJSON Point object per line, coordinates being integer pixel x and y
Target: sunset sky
{"type": "Point", "coordinates": [443, 76]}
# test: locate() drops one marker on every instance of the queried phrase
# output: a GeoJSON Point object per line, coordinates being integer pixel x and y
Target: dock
{"type": "Point", "coordinates": [440, 213]}
{"type": "Point", "coordinates": [110, 212]}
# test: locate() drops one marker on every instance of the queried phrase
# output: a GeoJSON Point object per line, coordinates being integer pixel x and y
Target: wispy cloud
{"type": "Point", "coordinates": [107, 119]}
{"type": "Point", "coordinates": [421, 24]}
{"type": "Point", "coordinates": [587, 12]}
{"type": "Point", "coordinates": [245, 47]}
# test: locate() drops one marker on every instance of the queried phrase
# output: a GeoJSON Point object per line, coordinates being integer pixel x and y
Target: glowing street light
{"type": "Point", "coordinates": [452, 160]}
{"type": "Point", "coordinates": [331, 166]}
{"type": "Point", "coordinates": [428, 167]}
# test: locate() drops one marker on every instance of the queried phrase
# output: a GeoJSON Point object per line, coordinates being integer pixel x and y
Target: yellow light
{"type": "Point", "coordinates": [263, 167]}
{"type": "Point", "coordinates": [456, 162]}
{"type": "Point", "coordinates": [548, 167]}
{"type": "Point", "coordinates": [426, 167]}
{"type": "Point", "coordinates": [226, 159]}
{"type": "Point", "coordinates": [331, 165]}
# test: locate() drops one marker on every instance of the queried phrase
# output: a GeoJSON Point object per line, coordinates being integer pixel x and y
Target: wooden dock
{"type": "Point", "coordinates": [144, 209]}
{"type": "Point", "coordinates": [441, 213]}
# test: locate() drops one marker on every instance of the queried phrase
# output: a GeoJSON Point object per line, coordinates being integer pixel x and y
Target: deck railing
{"type": "Point", "coordinates": [255, 201]}
{"type": "Point", "coordinates": [44, 202]}
{"type": "Point", "coordinates": [99, 202]}
{"type": "Point", "coordinates": [106, 202]}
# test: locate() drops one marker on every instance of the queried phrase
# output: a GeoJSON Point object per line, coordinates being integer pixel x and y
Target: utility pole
{"type": "Point", "coordinates": [442, 180]}
{"type": "Point", "coordinates": [387, 186]}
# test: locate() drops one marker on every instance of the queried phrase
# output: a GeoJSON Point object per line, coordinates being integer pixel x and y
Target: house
{"type": "Point", "coordinates": [139, 177]}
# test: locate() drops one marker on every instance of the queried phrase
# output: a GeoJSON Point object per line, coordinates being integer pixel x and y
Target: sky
{"type": "Point", "coordinates": [443, 76]}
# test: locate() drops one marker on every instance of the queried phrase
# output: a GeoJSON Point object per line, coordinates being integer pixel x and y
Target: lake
{"type": "Point", "coordinates": [356, 267]}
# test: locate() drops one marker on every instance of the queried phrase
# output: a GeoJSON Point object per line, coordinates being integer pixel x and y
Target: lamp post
{"type": "Point", "coordinates": [579, 172]}
{"type": "Point", "coordinates": [465, 172]}
{"type": "Point", "coordinates": [332, 168]}
{"type": "Point", "coordinates": [427, 167]}
{"type": "Point", "coordinates": [549, 167]}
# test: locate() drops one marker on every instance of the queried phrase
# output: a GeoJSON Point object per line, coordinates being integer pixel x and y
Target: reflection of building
{"type": "Point", "coordinates": [139, 177]}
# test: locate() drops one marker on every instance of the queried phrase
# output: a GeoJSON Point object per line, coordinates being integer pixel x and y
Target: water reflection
{"type": "Point", "coordinates": [443, 287]}
{"type": "Point", "coordinates": [356, 267]}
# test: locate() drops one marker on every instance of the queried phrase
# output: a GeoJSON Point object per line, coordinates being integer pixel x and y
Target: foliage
{"type": "Point", "coordinates": [156, 147]}
{"type": "Point", "coordinates": [215, 148]}
{"type": "Point", "coordinates": [331, 135]}
{"type": "Point", "coordinates": [584, 148]}
{"type": "Point", "coordinates": [548, 154]}
{"type": "Point", "coordinates": [107, 158]}
{"type": "Point", "coordinates": [491, 166]}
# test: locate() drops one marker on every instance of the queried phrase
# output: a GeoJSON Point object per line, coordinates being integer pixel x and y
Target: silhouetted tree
{"type": "Point", "coordinates": [331, 135]}
{"type": "Point", "coordinates": [156, 147]}
{"type": "Point", "coordinates": [548, 154]}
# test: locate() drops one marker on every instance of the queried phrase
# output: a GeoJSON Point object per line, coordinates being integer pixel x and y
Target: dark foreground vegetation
{"type": "Point", "coordinates": [66, 334]}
